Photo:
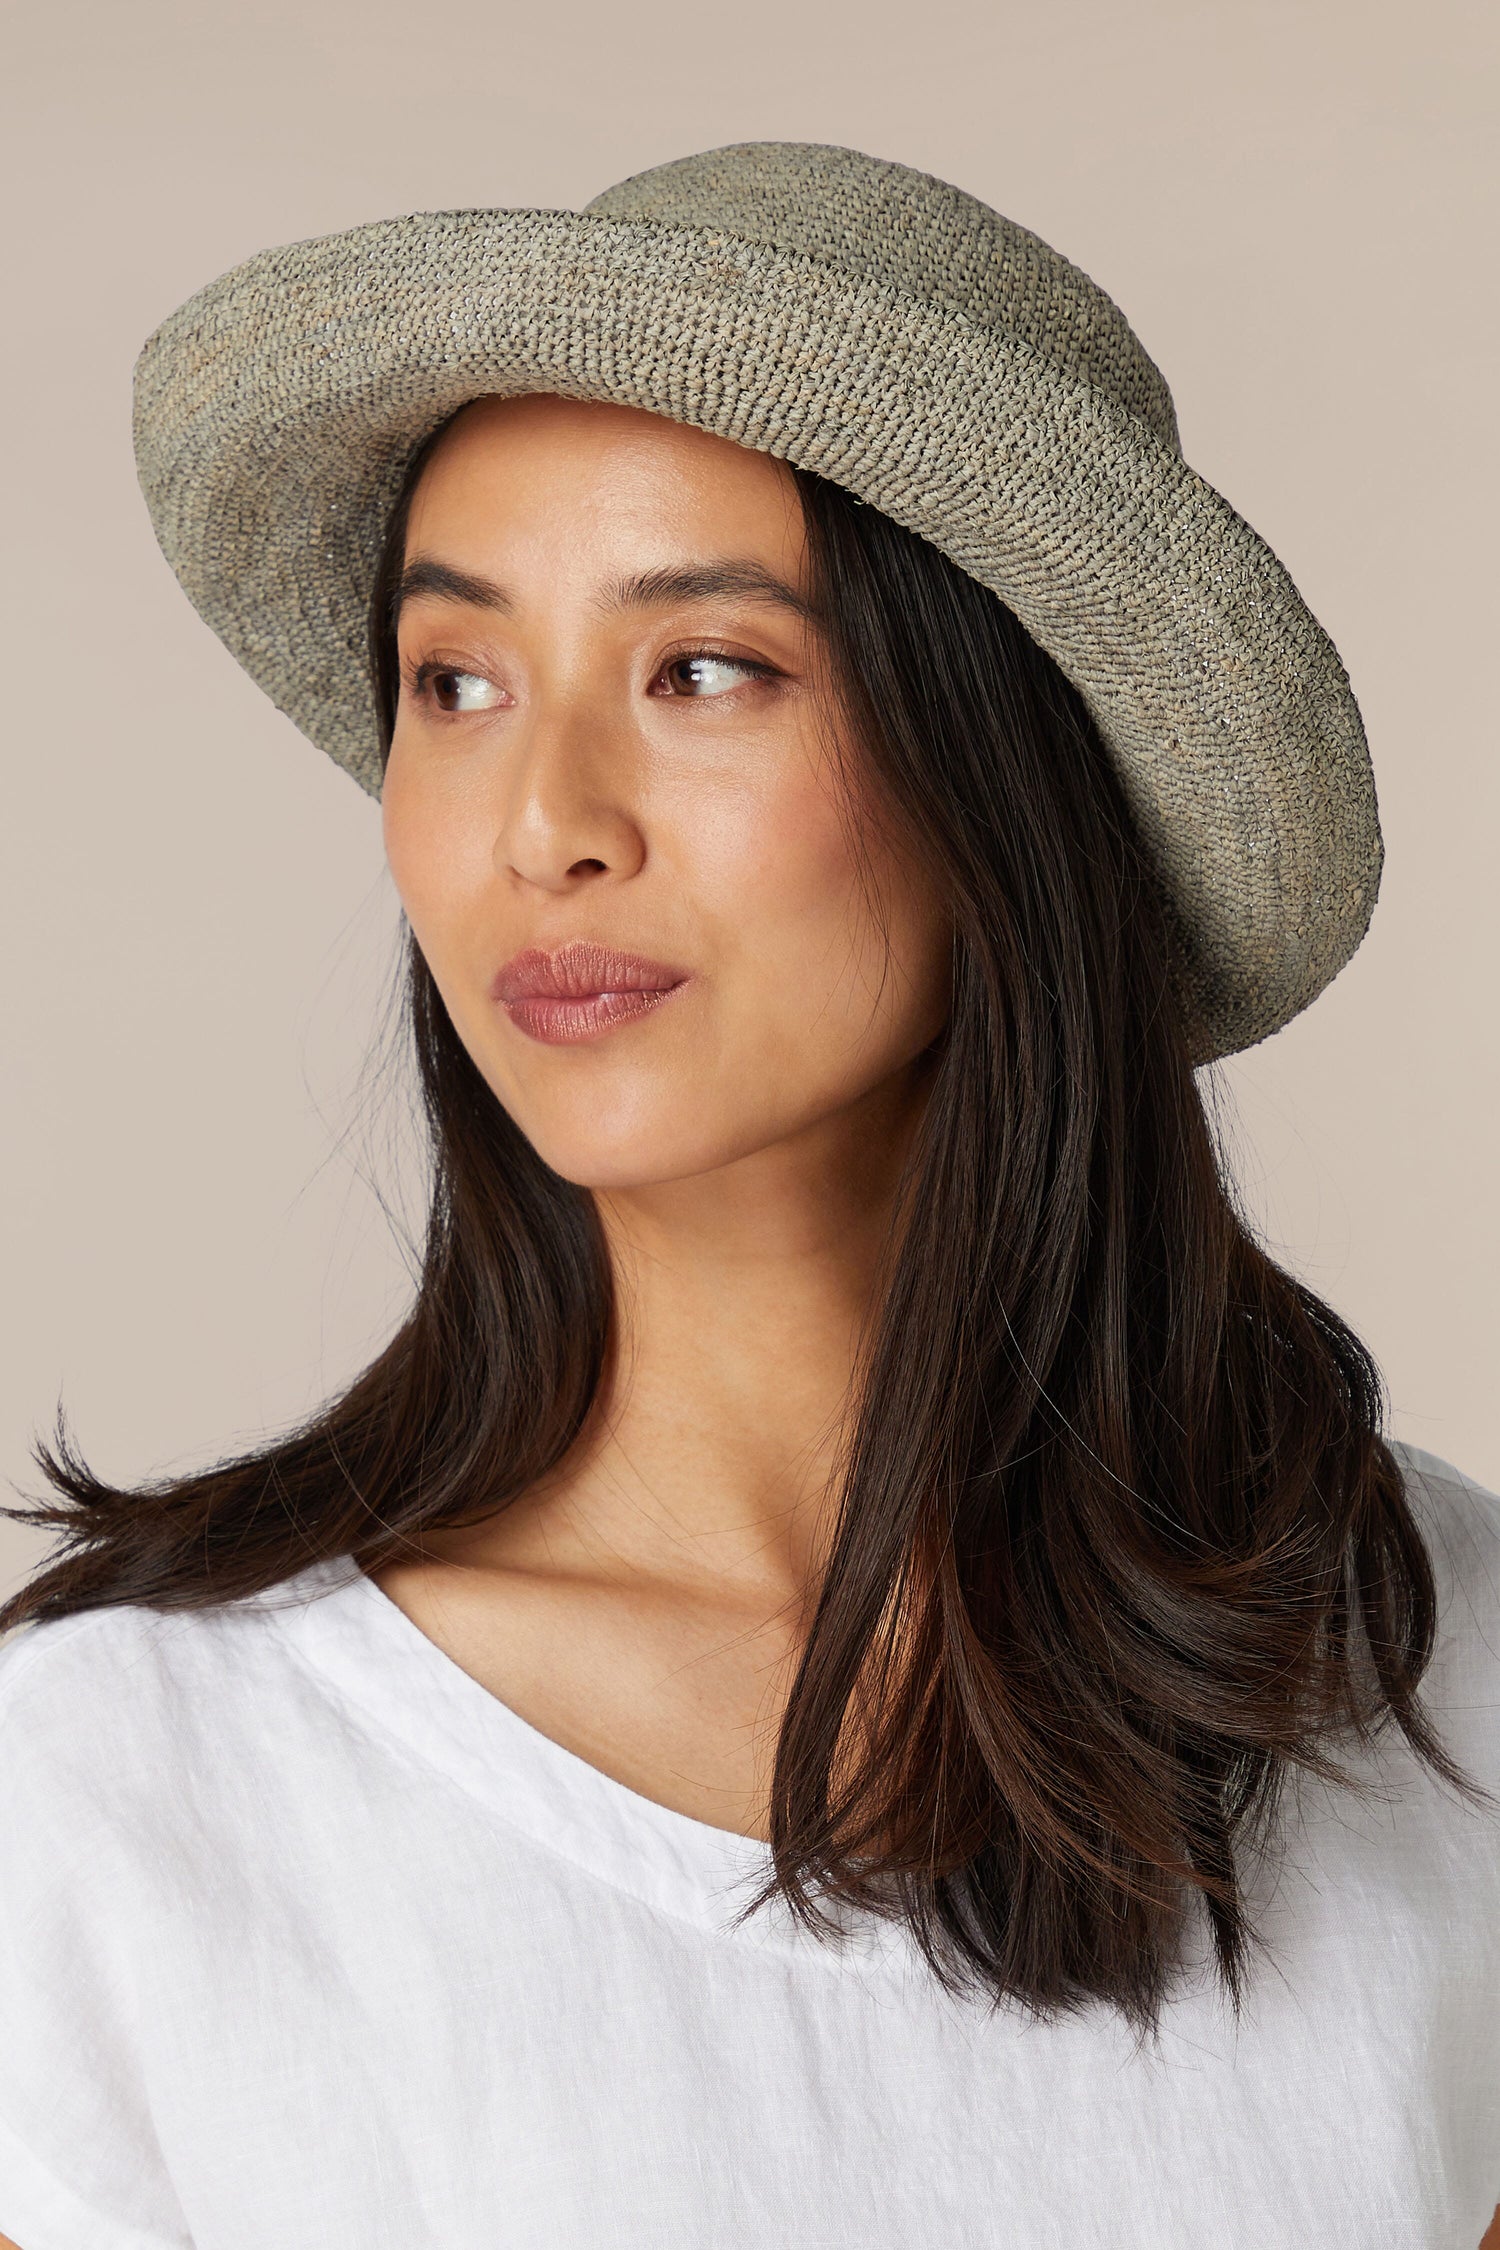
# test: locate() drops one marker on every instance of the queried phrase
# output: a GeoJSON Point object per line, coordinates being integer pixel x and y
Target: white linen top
{"type": "Point", "coordinates": [307, 1942]}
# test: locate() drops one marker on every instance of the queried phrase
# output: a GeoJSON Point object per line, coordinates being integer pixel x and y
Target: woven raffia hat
{"type": "Point", "coordinates": [856, 318]}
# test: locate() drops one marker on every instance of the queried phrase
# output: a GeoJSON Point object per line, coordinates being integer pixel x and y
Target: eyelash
{"type": "Point", "coordinates": [416, 679]}
{"type": "Point", "coordinates": [747, 664]}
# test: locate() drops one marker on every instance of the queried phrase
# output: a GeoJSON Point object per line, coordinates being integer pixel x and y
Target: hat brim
{"type": "Point", "coordinates": [275, 413]}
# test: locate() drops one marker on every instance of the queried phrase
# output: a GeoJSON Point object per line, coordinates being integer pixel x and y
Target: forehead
{"type": "Point", "coordinates": [526, 462]}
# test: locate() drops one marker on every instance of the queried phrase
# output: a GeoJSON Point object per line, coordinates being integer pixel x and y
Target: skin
{"type": "Point", "coordinates": [621, 773]}
{"type": "Point", "coordinates": [742, 1142]}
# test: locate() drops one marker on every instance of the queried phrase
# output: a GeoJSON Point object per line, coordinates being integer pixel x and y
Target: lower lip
{"type": "Point", "coordinates": [567, 1023]}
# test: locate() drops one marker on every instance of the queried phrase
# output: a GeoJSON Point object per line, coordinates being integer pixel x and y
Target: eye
{"type": "Point", "coordinates": [704, 674]}
{"type": "Point", "coordinates": [452, 690]}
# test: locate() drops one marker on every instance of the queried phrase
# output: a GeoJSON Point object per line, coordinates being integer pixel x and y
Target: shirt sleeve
{"type": "Point", "coordinates": [80, 2168]}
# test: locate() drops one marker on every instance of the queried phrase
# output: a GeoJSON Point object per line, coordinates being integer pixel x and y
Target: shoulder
{"type": "Point", "coordinates": [102, 1711]}
{"type": "Point", "coordinates": [1459, 1518]}
{"type": "Point", "coordinates": [47, 1670]}
{"type": "Point", "coordinates": [59, 1680]}
{"type": "Point", "coordinates": [1460, 1522]}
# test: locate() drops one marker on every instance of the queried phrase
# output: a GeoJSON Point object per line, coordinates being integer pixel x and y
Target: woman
{"type": "Point", "coordinates": [860, 1671]}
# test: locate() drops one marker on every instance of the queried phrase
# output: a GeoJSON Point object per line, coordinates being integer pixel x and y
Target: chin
{"type": "Point", "coordinates": [590, 1159]}
{"type": "Point", "coordinates": [638, 1146]}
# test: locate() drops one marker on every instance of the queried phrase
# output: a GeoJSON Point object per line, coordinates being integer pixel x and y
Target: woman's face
{"type": "Point", "coordinates": [615, 737]}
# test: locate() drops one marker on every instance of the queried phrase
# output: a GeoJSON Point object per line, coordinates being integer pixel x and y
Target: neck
{"type": "Point", "coordinates": [710, 1463]}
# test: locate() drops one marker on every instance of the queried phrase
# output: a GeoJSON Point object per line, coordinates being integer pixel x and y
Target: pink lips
{"type": "Point", "coordinates": [580, 990]}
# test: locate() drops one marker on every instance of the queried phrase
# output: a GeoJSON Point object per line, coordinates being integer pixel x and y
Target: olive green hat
{"type": "Point", "coordinates": [857, 318]}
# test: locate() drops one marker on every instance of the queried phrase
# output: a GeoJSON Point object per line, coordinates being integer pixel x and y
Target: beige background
{"type": "Point", "coordinates": [1294, 203]}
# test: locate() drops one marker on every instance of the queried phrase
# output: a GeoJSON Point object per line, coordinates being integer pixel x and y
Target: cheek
{"type": "Point", "coordinates": [790, 860]}
{"type": "Point", "coordinates": [437, 856]}
{"type": "Point", "coordinates": [840, 952]}
{"type": "Point", "coordinates": [403, 824]}
{"type": "Point", "coordinates": [774, 868]}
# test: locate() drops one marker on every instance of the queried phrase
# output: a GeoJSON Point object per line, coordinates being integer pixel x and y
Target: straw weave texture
{"type": "Point", "coordinates": [856, 318]}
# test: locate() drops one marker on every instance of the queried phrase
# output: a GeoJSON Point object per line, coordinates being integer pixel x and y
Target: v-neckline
{"type": "Point", "coordinates": [379, 1660]}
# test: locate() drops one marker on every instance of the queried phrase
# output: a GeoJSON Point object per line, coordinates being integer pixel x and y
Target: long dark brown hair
{"type": "Point", "coordinates": [1120, 1545]}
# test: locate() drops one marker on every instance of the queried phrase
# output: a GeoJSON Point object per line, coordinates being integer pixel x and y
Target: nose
{"type": "Point", "coordinates": [566, 816]}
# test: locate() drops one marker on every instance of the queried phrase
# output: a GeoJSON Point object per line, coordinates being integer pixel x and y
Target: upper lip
{"type": "Point", "coordinates": [579, 970]}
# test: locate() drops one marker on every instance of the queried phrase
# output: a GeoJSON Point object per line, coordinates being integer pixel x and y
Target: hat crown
{"type": "Point", "coordinates": [887, 222]}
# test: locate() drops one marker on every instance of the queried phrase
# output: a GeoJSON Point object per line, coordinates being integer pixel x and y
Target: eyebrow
{"type": "Point", "coordinates": [440, 582]}
{"type": "Point", "coordinates": [648, 589]}
{"type": "Point", "coordinates": [710, 581]}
